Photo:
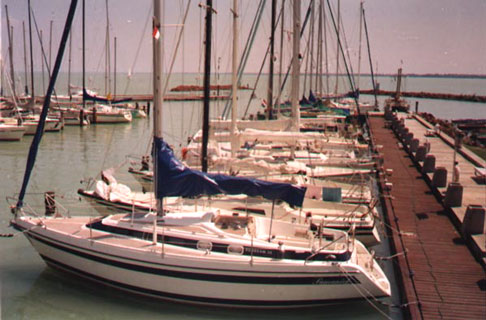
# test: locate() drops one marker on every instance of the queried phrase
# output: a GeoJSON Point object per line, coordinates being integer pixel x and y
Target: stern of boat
{"type": "Point", "coordinates": [370, 267]}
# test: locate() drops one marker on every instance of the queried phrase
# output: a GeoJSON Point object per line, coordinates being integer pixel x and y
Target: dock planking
{"type": "Point", "coordinates": [438, 276]}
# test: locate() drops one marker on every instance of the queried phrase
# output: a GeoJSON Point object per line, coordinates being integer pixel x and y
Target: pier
{"type": "Point", "coordinates": [428, 95]}
{"type": "Point", "coordinates": [435, 228]}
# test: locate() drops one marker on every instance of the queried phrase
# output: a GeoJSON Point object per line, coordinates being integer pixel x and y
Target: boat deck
{"type": "Point", "coordinates": [436, 272]}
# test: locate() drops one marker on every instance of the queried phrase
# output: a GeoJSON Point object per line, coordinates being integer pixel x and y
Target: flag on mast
{"type": "Point", "coordinates": [156, 33]}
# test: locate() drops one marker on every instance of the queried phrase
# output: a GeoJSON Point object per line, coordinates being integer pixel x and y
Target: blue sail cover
{"type": "Point", "coordinates": [175, 179]}
{"type": "Point", "coordinates": [304, 101]}
{"type": "Point", "coordinates": [89, 97]}
{"type": "Point", "coordinates": [312, 97]}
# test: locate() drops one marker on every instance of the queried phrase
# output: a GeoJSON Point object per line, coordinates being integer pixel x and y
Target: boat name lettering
{"type": "Point", "coordinates": [258, 251]}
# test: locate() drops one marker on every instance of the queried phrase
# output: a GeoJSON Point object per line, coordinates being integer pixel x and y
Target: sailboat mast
{"type": "Point", "coordinates": [49, 66]}
{"type": "Point", "coordinates": [1, 76]}
{"type": "Point", "coordinates": [26, 89]}
{"type": "Point", "coordinates": [359, 50]}
{"type": "Point", "coordinates": [296, 68]}
{"type": "Point", "coordinates": [114, 68]}
{"type": "Point", "coordinates": [272, 54]}
{"type": "Point", "coordinates": [31, 54]}
{"type": "Point", "coordinates": [234, 106]}
{"type": "Point", "coordinates": [42, 60]}
{"type": "Point", "coordinates": [277, 102]}
{"type": "Point", "coordinates": [319, 47]}
{"type": "Point", "coordinates": [69, 65]}
{"type": "Point", "coordinates": [10, 50]}
{"type": "Point", "coordinates": [338, 44]}
{"type": "Point", "coordinates": [207, 82]}
{"type": "Point", "coordinates": [107, 54]}
{"type": "Point", "coordinates": [374, 84]}
{"type": "Point", "coordinates": [311, 42]}
{"type": "Point", "coordinates": [324, 22]}
{"type": "Point", "coordinates": [84, 54]}
{"type": "Point", "coordinates": [158, 92]}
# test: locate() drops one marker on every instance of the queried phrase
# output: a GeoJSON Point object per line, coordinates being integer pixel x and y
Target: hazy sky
{"type": "Point", "coordinates": [432, 36]}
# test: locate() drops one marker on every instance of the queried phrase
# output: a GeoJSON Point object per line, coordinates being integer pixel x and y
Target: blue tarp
{"type": "Point", "coordinates": [175, 179]}
{"type": "Point", "coordinates": [304, 101]}
{"type": "Point", "coordinates": [312, 97]}
{"type": "Point", "coordinates": [89, 97]}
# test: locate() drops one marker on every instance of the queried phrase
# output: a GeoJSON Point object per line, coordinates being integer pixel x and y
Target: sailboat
{"type": "Point", "coordinates": [206, 257]}
{"type": "Point", "coordinates": [10, 131]}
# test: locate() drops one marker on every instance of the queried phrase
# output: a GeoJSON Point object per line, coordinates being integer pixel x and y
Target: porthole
{"type": "Point", "coordinates": [204, 245]}
{"type": "Point", "coordinates": [233, 249]}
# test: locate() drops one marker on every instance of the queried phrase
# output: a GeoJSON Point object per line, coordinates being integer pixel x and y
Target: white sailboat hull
{"type": "Point", "coordinates": [112, 117]}
{"type": "Point", "coordinates": [49, 126]}
{"type": "Point", "coordinates": [11, 133]}
{"type": "Point", "coordinates": [196, 276]}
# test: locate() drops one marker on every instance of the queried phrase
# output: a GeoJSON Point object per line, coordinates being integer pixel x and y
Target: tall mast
{"type": "Point", "coordinates": [311, 41]}
{"type": "Point", "coordinates": [158, 91]}
{"type": "Point", "coordinates": [207, 81]}
{"type": "Point", "coordinates": [1, 76]}
{"type": "Point", "coordinates": [277, 102]}
{"type": "Point", "coordinates": [26, 89]}
{"type": "Point", "coordinates": [69, 64]}
{"type": "Point", "coordinates": [114, 68]}
{"type": "Point", "coordinates": [337, 50]}
{"type": "Point", "coordinates": [272, 54]}
{"type": "Point", "coordinates": [49, 66]}
{"type": "Point", "coordinates": [31, 55]}
{"type": "Point", "coordinates": [359, 50]}
{"type": "Point", "coordinates": [107, 55]}
{"type": "Point", "coordinates": [84, 54]}
{"type": "Point", "coordinates": [324, 22]}
{"type": "Point", "coordinates": [234, 106]}
{"type": "Point", "coordinates": [374, 84]}
{"type": "Point", "coordinates": [10, 50]}
{"type": "Point", "coordinates": [42, 60]}
{"type": "Point", "coordinates": [319, 47]}
{"type": "Point", "coordinates": [296, 67]}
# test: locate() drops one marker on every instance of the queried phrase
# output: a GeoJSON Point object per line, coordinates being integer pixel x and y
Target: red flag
{"type": "Point", "coordinates": [156, 33]}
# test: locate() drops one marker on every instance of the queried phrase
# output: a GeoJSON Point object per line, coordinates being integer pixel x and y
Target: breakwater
{"type": "Point", "coordinates": [429, 95]}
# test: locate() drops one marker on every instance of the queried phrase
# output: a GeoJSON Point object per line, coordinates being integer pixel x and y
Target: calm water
{"type": "Point", "coordinates": [30, 290]}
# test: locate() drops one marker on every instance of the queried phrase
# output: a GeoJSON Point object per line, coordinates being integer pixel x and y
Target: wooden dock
{"type": "Point", "coordinates": [438, 276]}
{"type": "Point", "coordinates": [428, 95]}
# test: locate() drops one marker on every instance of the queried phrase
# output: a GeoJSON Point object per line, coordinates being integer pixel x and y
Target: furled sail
{"type": "Point", "coordinates": [175, 179]}
{"type": "Point", "coordinates": [89, 97]}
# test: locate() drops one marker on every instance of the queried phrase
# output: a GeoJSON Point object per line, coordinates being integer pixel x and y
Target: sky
{"type": "Point", "coordinates": [432, 36]}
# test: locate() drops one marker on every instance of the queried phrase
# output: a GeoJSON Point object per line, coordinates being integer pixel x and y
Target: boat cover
{"type": "Point", "coordinates": [89, 97]}
{"type": "Point", "coordinates": [175, 179]}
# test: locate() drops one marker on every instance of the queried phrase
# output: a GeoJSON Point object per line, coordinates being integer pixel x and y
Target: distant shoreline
{"type": "Point", "coordinates": [436, 75]}
{"type": "Point", "coordinates": [409, 75]}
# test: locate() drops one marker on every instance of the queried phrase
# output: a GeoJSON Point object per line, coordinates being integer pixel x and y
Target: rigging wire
{"type": "Point", "coordinates": [246, 52]}
{"type": "Point", "coordinates": [144, 32]}
{"type": "Point", "coordinates": [174, 57]}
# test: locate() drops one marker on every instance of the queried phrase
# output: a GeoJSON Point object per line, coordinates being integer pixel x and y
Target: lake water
{"type": "Point", "coordinates": [30, 290]}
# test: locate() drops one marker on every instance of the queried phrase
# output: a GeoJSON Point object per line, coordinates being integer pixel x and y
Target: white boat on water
{"type": "Point", "coordinates": [209, 258]}
{"type": "Point", "coordinates": [51, 124]}
{"type": "Point", "coordinates": [108, 114]}
{"type": "Point", "coordinates": [10, 132]}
